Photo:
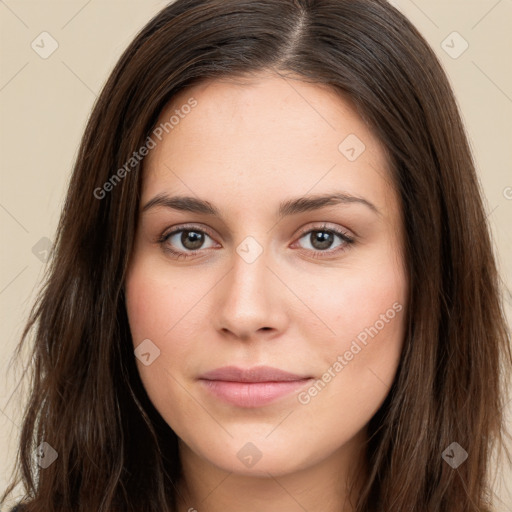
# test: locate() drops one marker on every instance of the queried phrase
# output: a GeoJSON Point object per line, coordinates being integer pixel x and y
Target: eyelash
{"type": "Point", "coordinates": [348, 240]}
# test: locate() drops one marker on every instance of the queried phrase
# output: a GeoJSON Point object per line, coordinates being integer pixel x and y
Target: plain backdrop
{"type": "Point", "coordinates": [45, 100]}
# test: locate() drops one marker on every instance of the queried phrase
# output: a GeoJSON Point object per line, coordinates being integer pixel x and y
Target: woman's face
{"type": "Point", "coordinates": [266, 273]}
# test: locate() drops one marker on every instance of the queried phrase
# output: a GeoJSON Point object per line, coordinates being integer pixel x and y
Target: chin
{"type": "Point", "coordinates": [257, 456]}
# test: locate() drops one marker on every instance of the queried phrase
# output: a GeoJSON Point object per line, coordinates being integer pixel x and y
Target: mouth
{"type": "Point", "coordinates": [251, 387]}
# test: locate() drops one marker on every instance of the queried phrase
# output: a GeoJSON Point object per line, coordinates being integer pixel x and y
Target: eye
{"type": "Point", "coordinates": [321, 240]}
{"type": "Point", "coordinates": [189, 241]}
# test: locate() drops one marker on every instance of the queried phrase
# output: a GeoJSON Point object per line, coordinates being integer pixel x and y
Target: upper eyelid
{"type": "Point", "coordinates": [325, 227]}
{"type": "Point", "coordinates": [185, 227]}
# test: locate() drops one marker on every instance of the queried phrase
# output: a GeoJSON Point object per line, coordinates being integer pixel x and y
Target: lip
{"type": "Point", "coordinates": [251, 387]}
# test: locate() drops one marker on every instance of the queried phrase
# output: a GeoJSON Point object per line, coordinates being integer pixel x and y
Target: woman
{"type": "Point", "coordinates": [273, 286]}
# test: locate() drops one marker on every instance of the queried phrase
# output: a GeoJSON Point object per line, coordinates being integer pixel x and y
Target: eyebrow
{"type": "Point", "coordinates": [286, 208]}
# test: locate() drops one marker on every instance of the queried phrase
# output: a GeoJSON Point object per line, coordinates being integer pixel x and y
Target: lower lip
{"type": "Point", "coordinates": [252, 394]}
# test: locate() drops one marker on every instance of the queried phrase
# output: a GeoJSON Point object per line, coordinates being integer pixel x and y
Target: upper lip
{"type": "Point", "coordinates": [255, 374]}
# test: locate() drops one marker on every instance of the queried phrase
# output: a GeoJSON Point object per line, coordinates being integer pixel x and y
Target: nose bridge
{"type": "Point", "coordinates": [249, 300]}
{"type": "Point", "coordinates": [249, 276]}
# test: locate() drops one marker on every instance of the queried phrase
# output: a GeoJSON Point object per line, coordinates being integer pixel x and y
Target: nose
{"type": "Point", "coordinates": [251, 300]}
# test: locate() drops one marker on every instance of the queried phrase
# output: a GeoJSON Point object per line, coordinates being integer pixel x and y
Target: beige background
{"type": "Point", "coordinates": [44, 104]}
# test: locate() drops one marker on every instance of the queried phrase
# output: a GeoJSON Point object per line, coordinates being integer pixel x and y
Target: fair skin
{"type": "Point", "coordinates": [245, 148]}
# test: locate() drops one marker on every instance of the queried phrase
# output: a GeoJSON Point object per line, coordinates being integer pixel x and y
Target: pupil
{"type": "Point", "coordinates": [197, 239]}
{"type": "Point", "coordinates": [321, 238]}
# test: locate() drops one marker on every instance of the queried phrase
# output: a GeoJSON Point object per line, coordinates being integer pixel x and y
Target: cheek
{"type": "Point", "coordinates": [155, 304]}
{"type": "Point", "coordinates": [359, 302]}
{"type": "Point", "coordinates": [364, 309]}
{"type": "Point", "coordinates": [359, 364]}
{"type": "Point", "coordinates": [156, 299]}
{"type": "Point", "coordinates": [164, 307]}
{"type": "Point", "coordinates": [147, 304]}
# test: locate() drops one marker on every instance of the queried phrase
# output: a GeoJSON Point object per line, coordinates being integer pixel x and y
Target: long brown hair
{"type": "Point", "coordinates": [87, 402]}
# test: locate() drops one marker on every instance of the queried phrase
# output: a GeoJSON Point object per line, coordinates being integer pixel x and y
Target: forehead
{"type": "Point", "coordinates": [264, 134]}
